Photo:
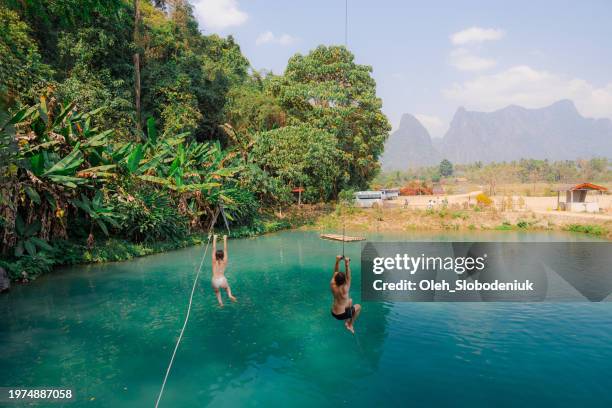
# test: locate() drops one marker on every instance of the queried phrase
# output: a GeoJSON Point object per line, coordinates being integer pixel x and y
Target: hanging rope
{"type": "Point", "coordinates": [346, 23]}
{"type": "Point", "coordinates": [195, 281]}
{"type": "Point", "coordinates": [343, 233]}
{"type": "Point", "coordinates": [224, 219]}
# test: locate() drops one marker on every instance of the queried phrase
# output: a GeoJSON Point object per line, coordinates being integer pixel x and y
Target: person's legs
{"type": "Point", "coordinates": [352, 320]}
{"type": "Point", "coordinates": [218, 294]}
{"type": "Point", "coordinates": [229, 293]}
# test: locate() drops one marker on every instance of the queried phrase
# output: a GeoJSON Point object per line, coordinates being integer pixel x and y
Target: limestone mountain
{"type": "Point", "coordinates": [555, 132]}
{"type": "Point", "coordinates": [409, 146]}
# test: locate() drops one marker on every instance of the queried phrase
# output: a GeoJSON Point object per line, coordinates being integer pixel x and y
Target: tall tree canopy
{"type": "Point", "coordinates": [130, 122]}
{"type": "Point", "coordinates": [328, 90]}
{"type": "Point", "coordinates": [299, 156]}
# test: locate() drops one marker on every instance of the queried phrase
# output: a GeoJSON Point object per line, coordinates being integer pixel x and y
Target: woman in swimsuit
{"type": "Point", "coordinates": [219, 262]}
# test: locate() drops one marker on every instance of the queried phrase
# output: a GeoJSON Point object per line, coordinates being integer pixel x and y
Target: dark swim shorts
{"type": "Point", "coordinates": [348, 313]}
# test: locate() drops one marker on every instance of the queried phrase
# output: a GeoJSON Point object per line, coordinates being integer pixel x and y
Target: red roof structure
{"type": "Point", "coordinates": [589, 186]}
{"type": "Point", "coordinates": [583, 186]}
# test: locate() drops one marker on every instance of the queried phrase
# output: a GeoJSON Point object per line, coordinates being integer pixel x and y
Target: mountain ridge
{"type": "Point", "coordinates": [555, 132]}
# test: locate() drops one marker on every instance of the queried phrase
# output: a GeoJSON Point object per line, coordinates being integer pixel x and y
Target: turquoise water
{"type": "Point", "coordinates": [107, 332]}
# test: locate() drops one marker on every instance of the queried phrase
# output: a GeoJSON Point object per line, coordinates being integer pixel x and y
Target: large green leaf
{"type": "Point", "coordinates": [21, 115]}
{"type": "Point", "coordinates": [102, 226]}
{"type": "Point", "coordinates": [32, 228]}
{"type": "Point", "coordinates": [33, 194]}
{"type": "Point", "coordinates": [133, 160]}
{"type": "Point", "coordinates": [101, 139]}
{"type": "Point", "coordinates": [99, 171]}
{"type": "Point", "coordinates": [151, 131]}
{"type": "Point", "coordinates": [67, 181]}
{"type": "Point", "coordinates": [68, 164]}
{"type": "Point", "coordinates": [58, 120]}
{"type": "Point", "coordinates": [20, 226]}
{"type": "Point", "coordinates": [41, 243]}
{"type": "Point", "coordinates": [37, 164]}
{"type": "Point", "coordinates": [30, 247]}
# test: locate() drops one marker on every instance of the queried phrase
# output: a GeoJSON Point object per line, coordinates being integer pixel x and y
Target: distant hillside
{"type": "Point", "coordinates": [556, 132]}
{"type": "Point", "coordinates": [409, 146]}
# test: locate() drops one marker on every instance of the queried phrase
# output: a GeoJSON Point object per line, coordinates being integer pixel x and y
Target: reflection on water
{"type": "Point", "coordinates": [108, 331]}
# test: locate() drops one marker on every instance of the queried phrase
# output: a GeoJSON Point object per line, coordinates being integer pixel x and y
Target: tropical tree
{"type": "Point", "coordinates": [446, 168]}
{"type": "Point", "coordinates": [59, 152]}
{"type": "Point", "coordinates": [99, 212]}
{"type": "Point", "coordinates": [327, 90]}
{"type": "Point", "coordinates": [299, 156]}
{"type": "Point", "coordinates": [21, 66]}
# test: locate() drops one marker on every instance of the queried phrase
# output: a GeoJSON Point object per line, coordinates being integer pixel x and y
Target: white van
{"type": "Point", "coordinates": [368, 199]}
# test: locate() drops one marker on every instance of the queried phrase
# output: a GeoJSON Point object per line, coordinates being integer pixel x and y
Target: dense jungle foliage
{"type": "Point", "coordinates": [122, 124]}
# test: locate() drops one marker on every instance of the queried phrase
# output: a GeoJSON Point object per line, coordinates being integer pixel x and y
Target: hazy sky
{"type": "Point", "coordinates": [430, 57]}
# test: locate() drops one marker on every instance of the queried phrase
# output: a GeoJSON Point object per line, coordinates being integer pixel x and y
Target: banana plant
{"type": "Point", "coordinates": [27, 241]}
{"type": "Point", "coordinates": [97, 211]}
{"type": "Point", "coordinates": [62, 147]}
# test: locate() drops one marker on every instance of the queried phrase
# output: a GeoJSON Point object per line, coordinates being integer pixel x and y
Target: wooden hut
{"type": "Point", "coordinates": [576, 198]}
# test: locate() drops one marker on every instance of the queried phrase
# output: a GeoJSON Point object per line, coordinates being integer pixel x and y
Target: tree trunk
{"type": "Point", "coordinates": [136, 60]}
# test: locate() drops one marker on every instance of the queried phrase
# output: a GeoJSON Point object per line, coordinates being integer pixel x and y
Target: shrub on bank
{"type": "Point", "coordinates": [483, 200]}
{"type": "Point", "coordinates": [587, 229]}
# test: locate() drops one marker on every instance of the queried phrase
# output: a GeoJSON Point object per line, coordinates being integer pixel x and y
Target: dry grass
{"type": "Point", "coordinates": [399, 219]}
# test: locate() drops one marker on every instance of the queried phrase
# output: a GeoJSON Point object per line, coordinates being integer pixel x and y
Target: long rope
{"type": "Point", "coordinates": [195, 281]}
{"type": "Point", "coordinates": [346, 23]}
{"type": "Point", "coordinates": [225, 220]}
{"type": "Point", "coordinates": [343, 232]}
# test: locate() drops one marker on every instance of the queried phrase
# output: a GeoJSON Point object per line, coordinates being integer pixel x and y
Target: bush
{"type": "Point", "coordinates": [415, 187]}
{"type": "Point", "coordinates": [587, 229]}
{"type": "Point", "coordinates": [27, 266]}
{"type": "Point", "coordinates": [484, 200]}
{"type": "Point", "coordinates": [347, 197]}
{"type": "Point", "coordinates": [505, 226]}
{"type": "Point", "coordinates": [459, 214]}
{"type": "Point", "coordinates": [149, 216]}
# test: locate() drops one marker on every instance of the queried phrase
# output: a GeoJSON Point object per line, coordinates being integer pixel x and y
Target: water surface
{"type": "Point", "coordinates": [107, 331]}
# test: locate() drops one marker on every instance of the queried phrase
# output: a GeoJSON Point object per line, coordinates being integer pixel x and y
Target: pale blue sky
{"type": "Point", "coordinates": [431, 57]}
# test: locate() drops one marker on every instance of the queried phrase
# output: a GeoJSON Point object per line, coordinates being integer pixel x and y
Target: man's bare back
{"type": "Point", "coordinates": [342, 307]}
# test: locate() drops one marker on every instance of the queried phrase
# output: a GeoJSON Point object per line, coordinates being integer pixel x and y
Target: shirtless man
{"type": "Point", "coordinates": [343, 308]}
{"type": "Point", "coordinates": [219, 263]}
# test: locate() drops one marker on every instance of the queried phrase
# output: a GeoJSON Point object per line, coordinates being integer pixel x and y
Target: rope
{"type": "Point", "coordinates": [346, 23]}
{"type": "Point", "coordinates": [195, 281]}
{"type": "Point", "coordinates": [224, 219]}
{"type": "Point", "coordinates": [343, 231]}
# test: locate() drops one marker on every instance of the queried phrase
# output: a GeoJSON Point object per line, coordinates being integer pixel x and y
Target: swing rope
{"type": "Point", "coordinates": [195, 281]}
{"type": "Point", "coordinates": [225, 219]}
{"type": "Point", "coordinates": [343, 233]}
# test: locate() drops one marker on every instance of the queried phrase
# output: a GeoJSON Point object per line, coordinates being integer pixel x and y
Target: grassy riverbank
{"type": "Point", "coordinates": [71, 252]}
{"type": "Point", "coordinates": [319, 217]}
{"type": "Point", "coordinates": [473, 219]}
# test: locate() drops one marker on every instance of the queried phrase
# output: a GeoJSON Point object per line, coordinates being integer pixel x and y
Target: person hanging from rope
{"type": "Point", "coordinates": [219, 263]}
{"type": "Point", "coordinates": [343, 308]}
